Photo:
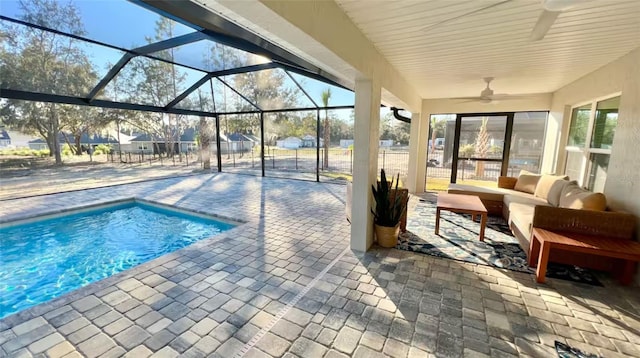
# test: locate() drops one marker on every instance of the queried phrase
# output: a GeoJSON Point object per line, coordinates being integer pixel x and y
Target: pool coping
{"type": "Point", "coordinates": [100, 285]}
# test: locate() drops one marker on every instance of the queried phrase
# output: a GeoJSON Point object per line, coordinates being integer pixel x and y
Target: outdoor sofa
{"type": "Point", "coordinates": [556, 204]}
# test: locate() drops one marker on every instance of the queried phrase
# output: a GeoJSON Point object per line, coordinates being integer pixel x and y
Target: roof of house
{"type": "Point", "coordinates": [239, 137]}
{"type": "Point", "coordinates": [84, 139]}
{"type": "Point", "coordinates": [296, 139]}
{"type": "Point", "coordinates": [189, 135]}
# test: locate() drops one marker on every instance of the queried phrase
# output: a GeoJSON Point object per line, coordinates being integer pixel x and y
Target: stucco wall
{"type": "Point", "coordinates": [623, 178]}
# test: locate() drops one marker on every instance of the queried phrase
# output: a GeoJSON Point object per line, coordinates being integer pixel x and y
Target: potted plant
{"type": "Point", "coordinates": [388, 210]}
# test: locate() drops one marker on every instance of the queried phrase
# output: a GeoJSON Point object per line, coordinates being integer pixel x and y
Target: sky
{"type": "Point", "coordinates": [125, 24]}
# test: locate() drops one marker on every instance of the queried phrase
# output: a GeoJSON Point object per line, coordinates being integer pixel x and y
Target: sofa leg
{"type": "Point", "coordinates": [543, 260]}
{"type": "Point", "coordinates": [534, 251]}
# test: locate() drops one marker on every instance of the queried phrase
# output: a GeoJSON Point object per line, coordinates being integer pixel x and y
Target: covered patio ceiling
{"type": "Point", "coordinates": [443, 49]}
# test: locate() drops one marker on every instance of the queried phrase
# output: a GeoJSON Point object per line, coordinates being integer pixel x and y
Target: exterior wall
{"type": "Point", "coordinates": [620, 76]}
{"type": "Point", "coordinates": [38, 146]}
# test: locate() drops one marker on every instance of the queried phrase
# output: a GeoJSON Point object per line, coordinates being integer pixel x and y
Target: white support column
{"type": "Point", "coordinates": [365, 162]}
{"type": "Point", "coordinates": [418, 153]}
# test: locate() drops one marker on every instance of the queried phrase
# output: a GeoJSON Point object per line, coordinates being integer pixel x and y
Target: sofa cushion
{"type": "Point", "coordinates": [521, 216]}
{"type": "Point", "coordinates": [527, 183]}
{"type": "Point", "coordinates": [493, 194]}
{"type": "Point", "coordinates": [551, 184]}
{"type": "Point", "coordinates": [575, 197]}
{"type": "Point", "coordinates": [530, 200]}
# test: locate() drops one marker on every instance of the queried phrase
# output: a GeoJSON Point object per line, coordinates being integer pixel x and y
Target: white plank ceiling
{"type": "Point", "coordinates": [446, 58]}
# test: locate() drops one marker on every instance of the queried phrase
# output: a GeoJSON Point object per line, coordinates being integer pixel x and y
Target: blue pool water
{"type": "Point", "coordinates": [45, 259]}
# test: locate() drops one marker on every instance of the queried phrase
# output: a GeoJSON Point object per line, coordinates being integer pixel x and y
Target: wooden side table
{"type": "Point", "coordinates": [542, 241]}
{"type": "Point", "coordinates": [465, 204]}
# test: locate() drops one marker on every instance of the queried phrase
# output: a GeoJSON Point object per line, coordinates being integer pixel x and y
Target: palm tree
{"type": "Point", "coordinates": [326, 95]}
{"type": "Point", "coordinates": [482, 146]}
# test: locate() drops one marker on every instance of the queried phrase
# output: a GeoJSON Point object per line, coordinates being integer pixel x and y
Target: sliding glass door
{"type": "Point", "coordinates": [480, 147]}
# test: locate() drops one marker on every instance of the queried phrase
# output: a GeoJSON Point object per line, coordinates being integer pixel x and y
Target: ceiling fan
{"type": "Point", "coordinates": [550, 11]}
{"type": "Point", "coordinates": [487, 95]}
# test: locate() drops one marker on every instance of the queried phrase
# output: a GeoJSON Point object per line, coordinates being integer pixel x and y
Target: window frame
{"type": "Point", "coordinates": [586, 150]}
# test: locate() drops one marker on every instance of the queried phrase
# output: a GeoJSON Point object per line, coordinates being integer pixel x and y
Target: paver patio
{"type": "Point", "coordinates": [284, 283]}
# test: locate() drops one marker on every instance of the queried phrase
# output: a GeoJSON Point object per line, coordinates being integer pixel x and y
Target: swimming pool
{"type": "Point", "coordinates": [45, 258]}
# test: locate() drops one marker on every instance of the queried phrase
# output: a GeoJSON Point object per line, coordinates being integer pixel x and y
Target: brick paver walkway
{"type": "Point", "coordinates": [285, 284]}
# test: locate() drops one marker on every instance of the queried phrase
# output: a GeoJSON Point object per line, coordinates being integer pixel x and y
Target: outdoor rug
{"type": "Point", "coordinates": [565, 351]}
{"type": "Point", "coordinates": [458, 240]}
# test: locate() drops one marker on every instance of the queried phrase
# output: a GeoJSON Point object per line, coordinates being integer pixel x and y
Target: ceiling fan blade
{"type": "Point", "coordinates": [465, 14]}
{"type": "Point", "coordinates": [545, 21]}
{"type": "Point", "coordinates": [468, 98]}
{"type": "Point", "coordinates": [501, 96]}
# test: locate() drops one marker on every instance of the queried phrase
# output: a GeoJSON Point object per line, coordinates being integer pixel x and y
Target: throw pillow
{"type": "Point", "coordinates": [574, 197]}
{"type": "Point", "coordinates": [555, 192]}
{"type": "Point", "coordinates": [527, 183]}
{"type": "Point", "coordinates": [546, 184]}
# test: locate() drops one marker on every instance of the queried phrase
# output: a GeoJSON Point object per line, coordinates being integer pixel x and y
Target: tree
{"type": "Point", "coordinates": [83, 120]}
{"type": "Point", "coordinates": [326, 95]}
{"type": "Point", "coordinates": [155, 82]}
{"type": "Point", "coordinates": [45, 62]}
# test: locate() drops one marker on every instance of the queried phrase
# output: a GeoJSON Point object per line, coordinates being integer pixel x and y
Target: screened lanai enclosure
{"type": "Point", "coordinates": [164, 90]}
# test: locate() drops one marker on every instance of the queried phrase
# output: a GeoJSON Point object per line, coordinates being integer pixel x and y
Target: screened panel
{"type": "Point", "coordinates": [210, 56]}
{"type": "Point", "coordinates": [291, 144]}
{"type": "Point", "coordinates": [200, 99]}
{"type": "Point", "coordinates": [240, 143]}
{"type": "Point", "coordinates": [315, 88]}
{"type": "Point", "coordinates": [482, 137]}
{"type": "Point", "coordinates": [227, 100]}
{"type": "Point", "coordinates": [102, 21]}
{"type": "Point", "coordinates": [40, 61]}
{"type": "Point", "coordinates": [269, 89]}
{"type": "Point", "coordinates": [151, 82]}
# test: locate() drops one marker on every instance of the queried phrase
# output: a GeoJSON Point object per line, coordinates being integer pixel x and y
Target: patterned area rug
{"type": "Point", "coordinates": [565, 351]}
{"type": "Point", "coordinates": [458, 240]}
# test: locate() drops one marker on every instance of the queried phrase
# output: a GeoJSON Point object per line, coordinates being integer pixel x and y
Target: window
{"type": "Point", "coordinates": [589, 144]}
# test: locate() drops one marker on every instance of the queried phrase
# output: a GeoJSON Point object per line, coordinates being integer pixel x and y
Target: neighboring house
{"type": "Point", "coordinates": [5, 139]}
{"type": "Point", "coordinates": [86, 141]}
{"type": "Point", "coordinates": [309, 141]}
{"type": "Point", "coordinates": [235, 142]}
{"type": "Point", "coordinates": [149, 144]}
{"type": "Point", "coordinates": [19, 139]}
{"type": "Point", "coordinates": [346, 143]}
{"type": "Point", "coordinates": [289, 143]}
{"type": "Point", "coordinates": [386, 143]}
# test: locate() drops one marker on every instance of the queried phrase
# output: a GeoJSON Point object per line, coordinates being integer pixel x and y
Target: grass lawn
{"type": "Point", "coordinates": [441, 184]}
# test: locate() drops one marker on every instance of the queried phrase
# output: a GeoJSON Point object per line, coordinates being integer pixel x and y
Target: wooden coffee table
{"type": "Point", "coordinates": [465, 204]}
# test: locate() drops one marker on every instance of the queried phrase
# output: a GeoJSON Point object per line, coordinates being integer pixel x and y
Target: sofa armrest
{"type": "Point", "coordinates": [507, 182]}
{"type": "Point", "coordinates": [611, 224]}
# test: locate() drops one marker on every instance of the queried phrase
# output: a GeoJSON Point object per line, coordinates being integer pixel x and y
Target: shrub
{"type": "Point", "coordinates": [102, 149]}
{"type": "Point", "coordinates": [66, 150]}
